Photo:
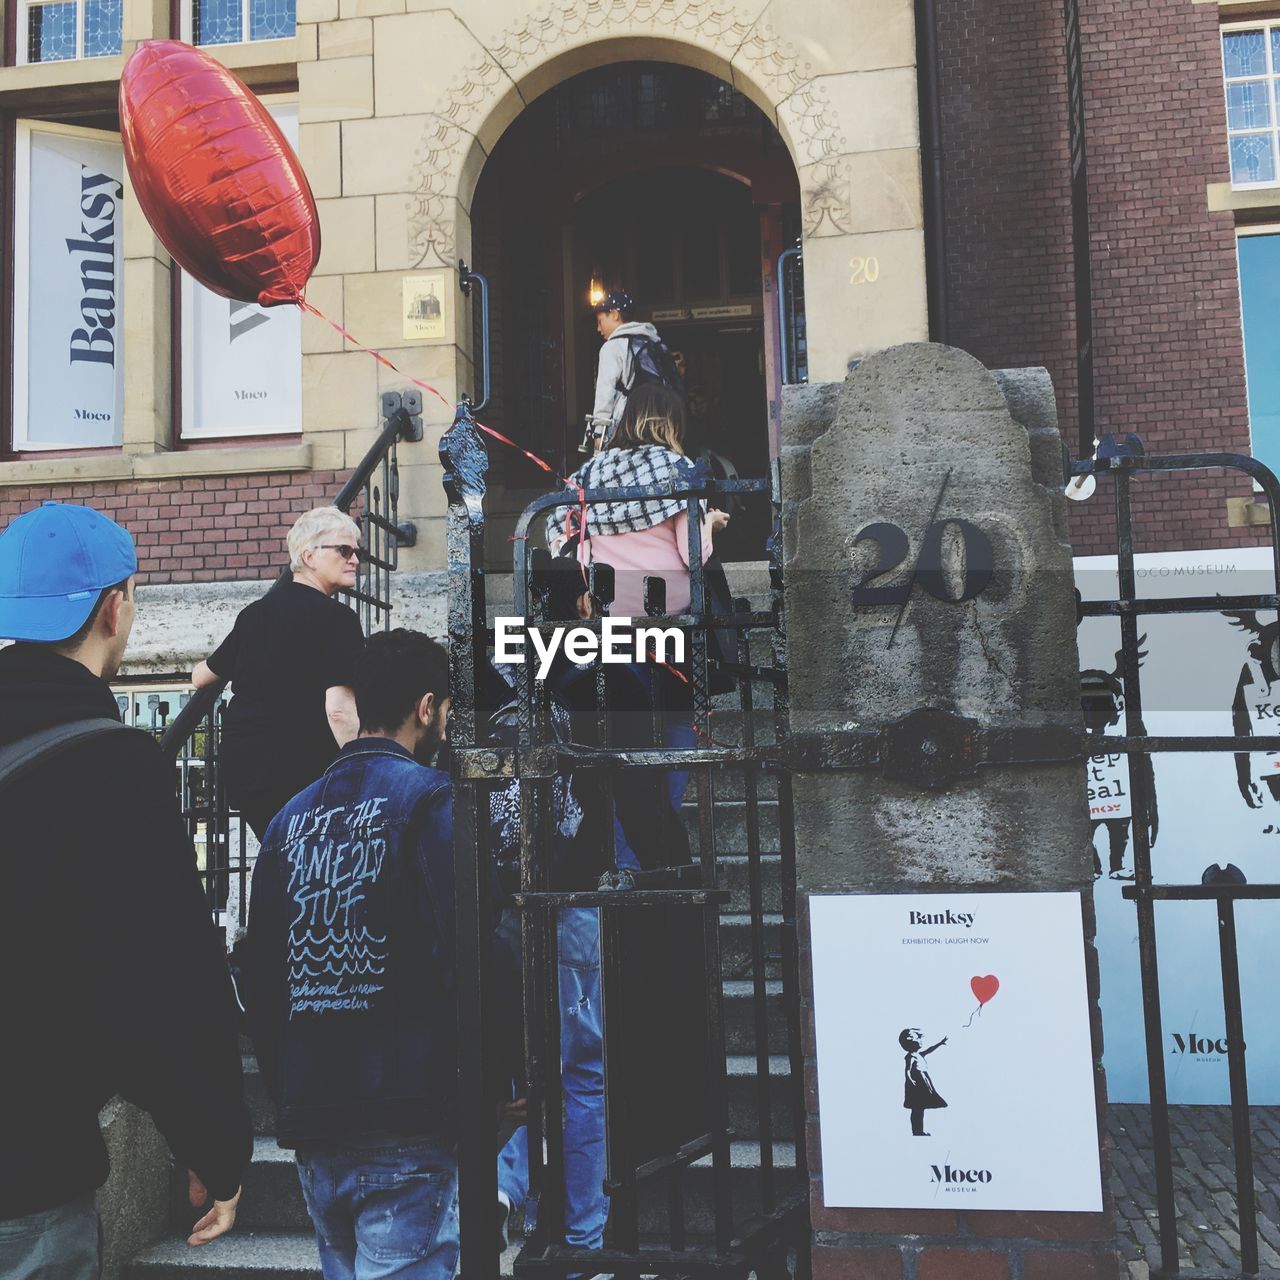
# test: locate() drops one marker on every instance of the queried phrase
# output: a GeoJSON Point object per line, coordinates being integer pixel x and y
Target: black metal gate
{"type": "Point", "coordinates": [1126, 466]}
{"type": "Point", "coordinates": [685, 1199]}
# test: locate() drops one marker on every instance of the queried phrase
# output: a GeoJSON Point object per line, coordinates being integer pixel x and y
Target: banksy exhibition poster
{"type": "Point", "coordinates": [1211, 815]}
{"type": "Point", "coordinates": [955, 1064]}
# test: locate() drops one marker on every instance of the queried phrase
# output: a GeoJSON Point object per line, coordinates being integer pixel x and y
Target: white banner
{"type": "Point", "coordinates": [955, 1062]}
{"type": "Point", "coordinates": [1212, 674]}
{"type": "Point", "coordinates": [241, 363]}
{"type": "Point", "coordinates": [68, 277]}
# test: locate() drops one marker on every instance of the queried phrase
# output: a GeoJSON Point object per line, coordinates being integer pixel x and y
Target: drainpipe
{"type": "Point", "coordinates": [935, 227]}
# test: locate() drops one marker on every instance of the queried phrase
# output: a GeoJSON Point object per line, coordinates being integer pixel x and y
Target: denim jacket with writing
{"type": "Point", "coordinates": [347, 967]}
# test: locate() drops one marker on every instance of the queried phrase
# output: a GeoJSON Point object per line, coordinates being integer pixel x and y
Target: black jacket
{"type": "Point", "coordinates": [115, 979]}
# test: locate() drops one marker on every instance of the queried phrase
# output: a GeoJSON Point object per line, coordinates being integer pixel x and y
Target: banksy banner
{"type": "Point", "coordinates": [69, 255]}
{"type": "Point", "coordinates": [241, 363]}
{"type": "Point", "coordinates": [955, 1064]}
{"type": "Point", "coordinates": [1212, 674]}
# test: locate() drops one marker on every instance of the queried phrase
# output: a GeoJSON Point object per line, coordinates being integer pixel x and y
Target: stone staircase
{"type": "Point", "coordinates": [273, 1239]}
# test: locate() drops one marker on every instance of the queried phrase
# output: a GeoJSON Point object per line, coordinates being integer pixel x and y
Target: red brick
{"type": "Point", "coordinates": [1070, 1265]}
{"type": "Point", "coordinates": [962, 1264]}
{"type": "Point", "coordinates": [856, 1264]}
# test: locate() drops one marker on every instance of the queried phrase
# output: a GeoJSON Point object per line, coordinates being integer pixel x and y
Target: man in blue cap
{"type": "Point", "coordinates": [116, 981]}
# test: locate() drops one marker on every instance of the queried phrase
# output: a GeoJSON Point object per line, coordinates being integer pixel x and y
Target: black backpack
{"type": "Point", "coordinates": [651, 362]}
{"type": "Point", "coordinates": [24, 755]}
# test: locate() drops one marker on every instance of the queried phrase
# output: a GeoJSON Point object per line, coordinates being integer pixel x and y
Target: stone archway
{"type": "Point", "coordinates": [403, 101]}
{"type": "Point", "coordinates": [851, 127]}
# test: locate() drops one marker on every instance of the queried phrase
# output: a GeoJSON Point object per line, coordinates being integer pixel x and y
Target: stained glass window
{"type": "Point", "coordinates": [234, 21]}
{"type": "Point", "coordinates": [68, 29]}
{"type": "Point", "coordinates": [1251, 67]}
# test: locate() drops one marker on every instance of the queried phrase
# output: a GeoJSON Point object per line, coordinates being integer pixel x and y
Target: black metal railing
{"type": "Point", "coordinates": [1126, 464]}
{"type": "Point", "coordinates": [191, 740]}
{"type": "Point", "coordinates": [660, 1220]}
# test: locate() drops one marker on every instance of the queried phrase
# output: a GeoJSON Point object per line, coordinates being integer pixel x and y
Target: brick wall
{"type": "Point", "coordinates": [1169, 360]}
{"type": "Point", "coordinates": [212, 528]}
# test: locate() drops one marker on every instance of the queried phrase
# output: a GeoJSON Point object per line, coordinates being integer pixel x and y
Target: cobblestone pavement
{"type": "Point", "coordinates": [1204, 1189]}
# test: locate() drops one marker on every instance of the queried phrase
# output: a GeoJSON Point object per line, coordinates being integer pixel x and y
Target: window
{"type": "Point", "coordinates": [55, 30]}
{"type": "Point", "coordinates": [68, 331]}
{"type": "Point", "coordinates": [241, 363]}
{"type": "Point", "coordinates": [1259, 257]}
{"type": "Point", "coordinates": [1251, 65]}
{"type": "Point", "coordinates": [235, 21]}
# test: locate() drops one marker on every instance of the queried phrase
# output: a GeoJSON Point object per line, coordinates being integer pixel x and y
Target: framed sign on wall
{"type": "Point", "coordinates": [68, 333]}
{"type": "Point", "coordinates": [955, 1062]}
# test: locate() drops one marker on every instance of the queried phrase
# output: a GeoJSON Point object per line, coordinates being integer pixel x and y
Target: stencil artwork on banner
{"type": "Point", "coordinates": [1110, 789]}
{"type": "Point", "coordinates": [337, 936]}
{"type": "Point", "coordinates": [1255, 712]}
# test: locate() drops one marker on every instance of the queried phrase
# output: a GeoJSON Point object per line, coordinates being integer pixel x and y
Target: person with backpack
{"type": "Point", "coordinates": [631, 356]}
{"type": "Point", "coordinates": [117, 979]}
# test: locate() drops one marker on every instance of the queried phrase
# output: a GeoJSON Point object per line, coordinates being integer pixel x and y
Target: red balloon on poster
{"type": "Point", "coordinates": [216, 179]}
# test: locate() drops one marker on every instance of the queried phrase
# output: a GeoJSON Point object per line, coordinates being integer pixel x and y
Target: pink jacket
{"type": "Point", "coordinates": [661, 550]}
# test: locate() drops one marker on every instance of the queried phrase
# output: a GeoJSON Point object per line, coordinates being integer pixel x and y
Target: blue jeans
{"type": "Point", "coordinates": [384, 1210]}
{"type": "Point", "coordinates": [677, 733]}
{"type": "Point", "coordinates": [55, 1244]}
{"type": "Point", "coordinates": [586, 1207]}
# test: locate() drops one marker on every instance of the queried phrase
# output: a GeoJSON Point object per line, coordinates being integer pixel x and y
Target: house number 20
{"type": "Point", "coordinates": [865, 270]}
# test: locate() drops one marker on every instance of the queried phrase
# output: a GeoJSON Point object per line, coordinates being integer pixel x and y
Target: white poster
{"type": "Point", "coordinates": [955, 1067]}
{"type": "Point", "coordinates": [241, 363]}
{"type": "Point", "coordinates": [68, 299]}
{"type": "Point", "coordinates": [1204, 674]}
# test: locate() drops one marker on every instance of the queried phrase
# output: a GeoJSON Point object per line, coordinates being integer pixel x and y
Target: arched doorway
{"type": "Point", "coordinates": [665, 180]}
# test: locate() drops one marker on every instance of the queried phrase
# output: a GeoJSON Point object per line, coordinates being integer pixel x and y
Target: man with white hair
{"type": "Point", "coordinates": [291, 660]}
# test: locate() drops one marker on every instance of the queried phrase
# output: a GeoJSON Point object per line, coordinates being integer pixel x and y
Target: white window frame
{"type": "Point", "coordinates": [188, 432]}
{"type": "Point", "coordinates": [1272, 80]}
{"type": "Point", "coordinates": [1253, 229]}
{"type": "Point", "coordinates": [23, 40]}
{"type": "Point", "coordinates": [186, 23]}
{"type": "Point", "coordinates": [22, 285]}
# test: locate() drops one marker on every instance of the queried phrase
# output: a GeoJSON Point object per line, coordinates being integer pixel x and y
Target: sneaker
{"type": "Point", "coordinates": [504, 1221]}
{"type": "Point", "coordinates": [1122, 874]}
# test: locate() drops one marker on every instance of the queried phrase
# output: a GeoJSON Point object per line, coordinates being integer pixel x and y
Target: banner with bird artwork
{"type": "Point", "coordinates": [955, 1059]}
{"type": "Point", "coordinates": [1210, 816]}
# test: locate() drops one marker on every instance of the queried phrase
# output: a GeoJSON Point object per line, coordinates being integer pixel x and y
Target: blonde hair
{"type": "Point", "coordinates": [310, 529]}
{"type": "Point", "coordinates": [654, 415]}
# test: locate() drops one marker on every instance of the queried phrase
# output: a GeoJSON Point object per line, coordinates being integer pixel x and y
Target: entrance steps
{"type": "Point", "coordinates": [273, 1239]}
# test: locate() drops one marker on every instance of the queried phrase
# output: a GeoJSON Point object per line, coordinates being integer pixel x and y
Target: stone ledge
{"type": "Point", "coordinates": [180, 464]}
{"type": "Point", "coordinates": [1224, 198]}
{"type": "Point", "coordinates": [177, 624]}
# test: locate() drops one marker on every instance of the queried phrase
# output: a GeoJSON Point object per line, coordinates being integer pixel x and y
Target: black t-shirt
{"type": "Point", "coordinates": [282, 654]}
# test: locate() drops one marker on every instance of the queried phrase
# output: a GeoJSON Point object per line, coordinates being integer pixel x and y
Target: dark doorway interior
{"type": "Point", "coordinates": [671, 183]}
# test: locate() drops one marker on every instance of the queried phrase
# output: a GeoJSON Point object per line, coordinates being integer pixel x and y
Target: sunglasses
{"type": "Point", "coordinates": [344, 549]}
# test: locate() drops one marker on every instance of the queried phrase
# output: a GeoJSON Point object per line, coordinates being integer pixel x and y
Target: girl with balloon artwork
{"type": "Point", "coordinates": [919, 1093]}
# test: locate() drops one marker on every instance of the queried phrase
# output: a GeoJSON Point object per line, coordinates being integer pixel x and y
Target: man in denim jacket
{"type": "Point", "coordinates": [349, 983]}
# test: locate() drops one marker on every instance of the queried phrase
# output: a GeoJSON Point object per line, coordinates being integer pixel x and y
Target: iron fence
{"type": "Point", "coordinates": [675, 1208]}
{"type": "Point", "coordinates": [1127, 464]}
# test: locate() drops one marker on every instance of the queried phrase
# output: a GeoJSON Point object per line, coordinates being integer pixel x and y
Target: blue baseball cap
{"type": "Point", "coordinates": [54, 563]}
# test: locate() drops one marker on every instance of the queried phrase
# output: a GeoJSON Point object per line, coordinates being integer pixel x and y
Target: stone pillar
{"type": "Point", "coordinates": [914, 435]}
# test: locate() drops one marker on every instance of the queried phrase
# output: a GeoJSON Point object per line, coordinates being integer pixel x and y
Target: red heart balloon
{"type": "Point", "coordinates": [984, 988]}
{"type": "Point", "coordinates": [216, 179]}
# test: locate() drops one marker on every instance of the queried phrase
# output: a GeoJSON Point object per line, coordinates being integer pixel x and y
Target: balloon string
{"type": "Point", "coordinates": [439, 395]}
{"type": "Point", "coordinates": [976, 1013]}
